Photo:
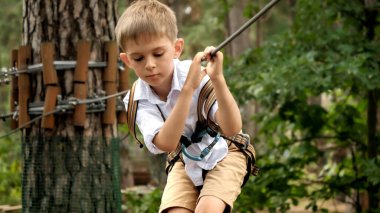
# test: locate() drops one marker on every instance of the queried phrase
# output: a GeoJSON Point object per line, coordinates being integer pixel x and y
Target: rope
{"type": "Point", "coordinates": [59, 65]}
{"type": "Point", "coordinates": [75, 101]}
{"type": "Point", "coordinates": [71, 105]}
{"type": "Point", "coordinates": [241, 29]}
{"type": "Point", "coordinates": [4, 116]}
{"type": "Point", "coordinates": [5, 73]}
{"type": "Point", "coordinates": [30, 122]}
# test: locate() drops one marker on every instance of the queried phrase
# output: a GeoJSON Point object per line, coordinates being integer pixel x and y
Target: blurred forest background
{"type": "Point", "coordinates": [307, 78]}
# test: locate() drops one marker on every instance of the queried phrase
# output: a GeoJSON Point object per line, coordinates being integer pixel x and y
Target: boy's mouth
{"type": "Point", "coordinates": [152, 75]}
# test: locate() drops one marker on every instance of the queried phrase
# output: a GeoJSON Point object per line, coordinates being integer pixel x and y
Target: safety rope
{"type": "Point", "coordinates": [6, 73]}
{"type": "Point", "coordinates": [72, 102]}
{"type": "Point", "coordinates": [241, 29]}
{"type": "Point", "coordinates": [4, 116]}
{"type": "Point", "coordinates": [30, 122]}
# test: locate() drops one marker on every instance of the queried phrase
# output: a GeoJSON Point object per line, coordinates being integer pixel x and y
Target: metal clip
{"type": "Point", "coordinates": [247, 140]}
{"type": "Point", "coordinates": [73, 101]}
{"type": "Point", "coordinates": [15, 115]}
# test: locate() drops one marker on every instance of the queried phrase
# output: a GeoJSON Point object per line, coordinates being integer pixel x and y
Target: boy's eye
{"type": "Point", "coordinates": [138, 58]}
{"type": "Point", "coordinates": [158, 54]}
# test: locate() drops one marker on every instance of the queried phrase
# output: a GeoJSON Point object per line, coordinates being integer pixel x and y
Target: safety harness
{"type": "Point", "coordinates": [204, 126]}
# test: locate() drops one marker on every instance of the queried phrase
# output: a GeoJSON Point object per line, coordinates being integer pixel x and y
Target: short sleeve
{"type": "Point", "coordinates": [149, 122]}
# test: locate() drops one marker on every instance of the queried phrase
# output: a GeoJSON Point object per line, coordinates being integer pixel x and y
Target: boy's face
{"type": "Point", "coordinates": [152, 59]}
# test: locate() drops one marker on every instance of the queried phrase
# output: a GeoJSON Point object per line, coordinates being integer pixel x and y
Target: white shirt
{"type": "Point", "coordinates": [150, 121]}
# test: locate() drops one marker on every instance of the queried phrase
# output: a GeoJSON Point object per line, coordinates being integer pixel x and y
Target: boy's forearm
{"type": "Point", "coordinates": [228, 115]}
{"type": "Point", "coordinates": [170, 133]}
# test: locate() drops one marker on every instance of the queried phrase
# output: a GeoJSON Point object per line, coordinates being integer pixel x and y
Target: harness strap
{"type": "Point", "coordinates": [243, 142]}
{"type": "Point", "coordinates": [207, 97]}
{"type": "Point", "coordinates": [206, 100]}
{"type": "Point", "coordinates": [203, 95]}
{"type": "Point", "coordinates": [173, 157]}
{"type": "Point", "coordinates": [131, 114]}
{"type": "Point", "coordinates": [204, 152]}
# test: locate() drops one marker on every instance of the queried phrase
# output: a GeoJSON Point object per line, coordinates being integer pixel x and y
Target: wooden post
{"type": "Point", "coordinates": [80, 81]}
{"type": "Point", "coordinates": [109, 82]}
{"type": "Point", "coordinates": [47, 57]}
{"type": "Point", "coordinates": [123, 85]}
{"type": "Point", "coordinates": [48, 121]}
{"type": "Point", "coordinates": [24, 87]}
{"type": "Point", "coordinates": [51, 84]}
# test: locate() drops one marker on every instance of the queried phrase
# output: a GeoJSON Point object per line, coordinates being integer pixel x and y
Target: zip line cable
{"type": "Point", "coordinates": [242, 28]}
{"type": "Point", "coordinates": [75, 101]}
{"type": "Point", "coordinates": [72, 103]}
{"type": "Point", "coordinates": [58, 65]}
{"type": "Point", "coordinates": [4, 116]}
{"type": "Point", "coordinates": [6, 73]}
{"type": "Point", "coordinates": [30, 122]}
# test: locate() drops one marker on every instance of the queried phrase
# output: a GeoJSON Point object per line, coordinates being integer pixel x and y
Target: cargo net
{"type": "Point", "coordinates": [71, 175]}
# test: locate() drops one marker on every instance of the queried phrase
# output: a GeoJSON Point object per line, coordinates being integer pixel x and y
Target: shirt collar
{"type": "Point", "coordinates": [176, 83]}
{"type": "Point", "coordinates": [144, 92]}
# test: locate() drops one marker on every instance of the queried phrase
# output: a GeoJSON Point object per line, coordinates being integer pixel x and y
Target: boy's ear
{"type": "Point", "coordinates": [124, 59]}
{"type": "Point", "coordinates": [178, 47]}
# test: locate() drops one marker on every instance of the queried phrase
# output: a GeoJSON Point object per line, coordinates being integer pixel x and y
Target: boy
{"type": "Point", "coordinates": [168, 91]}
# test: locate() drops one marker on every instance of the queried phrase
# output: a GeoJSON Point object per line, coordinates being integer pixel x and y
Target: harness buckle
{"type": "Point", "coordinates": [204, 152]}
{"type": "Point", "coordinates": [200, 131]}
{"type": "Point", "coordinates": [246, 140]}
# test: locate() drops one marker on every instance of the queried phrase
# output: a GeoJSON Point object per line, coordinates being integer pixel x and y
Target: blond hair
{"type": "Point", "coordinates": [148, 18]}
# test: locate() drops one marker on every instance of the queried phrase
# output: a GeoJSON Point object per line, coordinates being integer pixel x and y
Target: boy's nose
{"type": "Point", "coordinates": [150, 64]}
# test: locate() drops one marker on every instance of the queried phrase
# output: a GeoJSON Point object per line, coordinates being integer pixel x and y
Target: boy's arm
{"type": "Point", "coordinates": [168, 137]}
{"type": "Point", "coordinates": [170, 133]}
{"type": "Point", "coordinates": [228, 114]}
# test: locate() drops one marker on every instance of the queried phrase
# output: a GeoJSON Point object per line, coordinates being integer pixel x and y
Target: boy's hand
{"type": "Point", "coordinates": [195, 75]}
{"type": "Point", "coordinates": [214, 68]}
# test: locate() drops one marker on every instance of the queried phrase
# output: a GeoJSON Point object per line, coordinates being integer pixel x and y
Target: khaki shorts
{"type": "Point", "coordinates": [223, 182]}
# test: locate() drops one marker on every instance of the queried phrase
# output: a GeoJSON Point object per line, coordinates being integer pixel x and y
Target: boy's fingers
{"type": "Point", "coordinates": [208, 52]}
{"type": "Point", "coordinates": [198, 57]}
{"type": "Point", "coordinates": [196, 64]}
{"type": "Point", "coordinates": [204, 72]}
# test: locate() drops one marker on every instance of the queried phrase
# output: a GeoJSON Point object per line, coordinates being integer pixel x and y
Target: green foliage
{"type": "Point", "coordinates": [307, 150]}
{"type": "Point", "coordinates": [10, 152]}
{"type": "Point", "coordinates": [148, 203]}
{"type": "Point", "coordinates": [197, 30]}
{"type": "Point", "coordinates": [10, 25]}
{"type": "Point", "coordinates": [10, 172]}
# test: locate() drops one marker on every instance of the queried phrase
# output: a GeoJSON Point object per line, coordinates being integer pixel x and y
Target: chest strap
{"type": "Point", "coordinates": [131, 114]}
{"type": "Point", "coordinates": [204, 152]}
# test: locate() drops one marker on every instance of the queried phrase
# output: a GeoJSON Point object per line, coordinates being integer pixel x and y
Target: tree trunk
{"type": "Point", "coordinates": [236, 48]}
{"type": "Point", "coordinates": [235, 20]}
{"type": "Point", "coordinates": [370, 23]}
{"type": "Point", "coordinates": [69, 168]}
{"type": "Point", "coordinates": [373, 145]}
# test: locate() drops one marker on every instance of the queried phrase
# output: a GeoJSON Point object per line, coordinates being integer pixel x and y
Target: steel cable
{"type": "Point", "coordinates": [72, 103]}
